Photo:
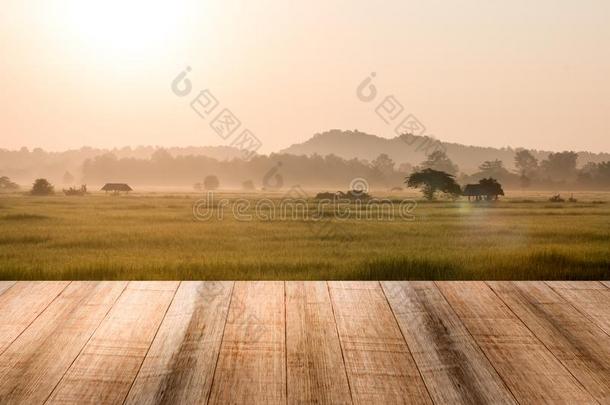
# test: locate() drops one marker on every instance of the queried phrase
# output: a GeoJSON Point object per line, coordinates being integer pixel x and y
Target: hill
{"type": "Point", "coordinates": [413, 149]}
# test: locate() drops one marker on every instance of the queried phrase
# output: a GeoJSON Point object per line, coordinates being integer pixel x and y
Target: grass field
{"type": "Point", "coordinates": [155, 236]}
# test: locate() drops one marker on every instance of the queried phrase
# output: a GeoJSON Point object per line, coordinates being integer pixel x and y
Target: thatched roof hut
{"type": "Point", "coordinates": [117, 187]}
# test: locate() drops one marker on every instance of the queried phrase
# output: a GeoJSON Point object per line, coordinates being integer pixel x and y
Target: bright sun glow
{"type": "Point", "coordinates": [125, 28]}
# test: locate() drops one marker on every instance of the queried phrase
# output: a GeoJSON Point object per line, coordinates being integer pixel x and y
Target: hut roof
{"type": "Point", "coordinates": [116, 187]}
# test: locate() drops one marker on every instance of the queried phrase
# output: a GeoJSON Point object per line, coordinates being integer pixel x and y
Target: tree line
{"type": "Point", "coordinates": [557, 170]}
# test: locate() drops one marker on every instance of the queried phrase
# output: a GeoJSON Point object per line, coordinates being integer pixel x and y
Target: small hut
{"type": "Point", "coordinates": [116, 188]}
{"type": "Point", "coordinates": [473, 190]}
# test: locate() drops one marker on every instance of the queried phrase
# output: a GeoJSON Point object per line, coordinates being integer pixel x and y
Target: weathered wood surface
{"type": "Point", "coordinates": [592, 299]}
{"type": "Point", "coordinates": [454, 368]}
{"type": "Point", "coordinates": [21, 304]}
{"type": "Point", "coordinates": [5, 285]}
{"type": "Point", "coordinates": [180, 363]}
{"type": "Point", "coordinates": [251, 366]}
{"type": "Point", "coordinates": [108, 364]}
{"type": "Point", "coordinates": [530, 370]}
{"type": "Point", "coordinates": [35, 362]}
{"type": "Point", "coordinates": [304, 342]}
{"type": "Point", "coordinates": [316, 372]}
{"type": "Point", "coordinates": [581, 346]}
{"type": "Point", "coordinates": [379, 365]}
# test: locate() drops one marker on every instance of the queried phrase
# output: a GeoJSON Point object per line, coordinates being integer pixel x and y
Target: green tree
{"type": "Point", "coordinates": [42, 187]}
{"type": "Point", "coordinates": [431, 181]}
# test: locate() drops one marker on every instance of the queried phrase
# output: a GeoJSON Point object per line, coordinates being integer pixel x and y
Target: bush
{"type": "Point", "coordinates": [42, 187]}
{"type": "Point", "coordinates": [556, 198]}
{"type": "Point", "coordinates": [211, 183]}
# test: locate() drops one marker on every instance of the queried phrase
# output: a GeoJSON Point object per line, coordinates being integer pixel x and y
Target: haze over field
{"type": "Point", "coordinates": [493, 73]}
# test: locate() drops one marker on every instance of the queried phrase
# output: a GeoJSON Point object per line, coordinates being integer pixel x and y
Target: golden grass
{"type": "Point", "coordinates": [156, 237]}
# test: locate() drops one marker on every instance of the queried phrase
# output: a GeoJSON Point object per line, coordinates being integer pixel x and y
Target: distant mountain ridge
{"type": "Point", "coordinates": [413, 149]}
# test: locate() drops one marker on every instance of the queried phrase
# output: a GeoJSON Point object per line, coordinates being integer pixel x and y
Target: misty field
{"type": "Point", "coordinates": [155, 236]}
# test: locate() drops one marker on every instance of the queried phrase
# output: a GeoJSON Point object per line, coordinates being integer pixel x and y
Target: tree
{"type": "Point", "coordinates": [68, 178]}
{"type": "Point", "coordinates": [492, 168]}
{"type": "Point", "coordinates": [438, 160]}
{"type": "Point", "coordinates": [560, 166]}
{"type": "Point", "coordinates": [7, 185]}
{"type": "Point", "coordinates": [42, 187]}
{"type": "Point", "coordinates": [211, 183]}
{"type": "Point", "coordinates": [383, 164]}
{"type": "Point", "coordinates": [526, 163]}
{"type": "Point", "coordinates": [431, 181]}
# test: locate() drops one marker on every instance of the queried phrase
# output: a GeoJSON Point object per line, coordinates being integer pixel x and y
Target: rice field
{"type": "Point", "coordinates": [154, 236]}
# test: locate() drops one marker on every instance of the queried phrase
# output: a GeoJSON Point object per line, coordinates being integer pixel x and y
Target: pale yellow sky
{"type": "Point", "coordinates": [497, 73]}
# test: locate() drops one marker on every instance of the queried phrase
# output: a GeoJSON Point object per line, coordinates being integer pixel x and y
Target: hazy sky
{"type": "Point", "coordinates": [98, 73]}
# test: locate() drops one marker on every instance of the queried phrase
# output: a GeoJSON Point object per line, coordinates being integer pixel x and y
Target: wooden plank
{"type": "Point", "coordinates": [529, 369]}
{"type": "Point", "coordinates": [22, 303]}
{"type": "Point", "coordinates": [379, 366]}
{"type": "Point", "coordinates": [180, 364]}
{"type": "Point", "coordinates": [105, 369]}
{"type": "Point", "coordinates": [577, 285]}
{"type": "Point", "coordinates": [315, 369]}
{"type": "Point", "coordinates": [593, 300]}
{"type": "Point", "coordinates": [454, 368]}
{"type": "Point", "coordinates": [5, 285]}
{"type": "Point", "coordinates": [34, 363]}
{"type": "Point", "coordinates": [581, 346]}
{"type": "Point", "coordinates": [252, 362]}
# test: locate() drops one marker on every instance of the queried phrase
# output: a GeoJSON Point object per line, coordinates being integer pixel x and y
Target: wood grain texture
{"type": "Point", "coordinates": [180, 364]}
{"type": "Point", "coordinates": [5, 285]}
{"type": "Point", "coordinates": [107, 366]}
{"type": "Point", "coordinates": [252, 362]}
{"type": "Point", "coordinates": [22, 303]}
{"type": "Point", "coordinates": [454, 368]}
{"type": "Point", "coordinates": [592, 300]}
{"type": "Point", "coordinates": [581, 346]}
{"type": "Point", "coordinates": [529, 369]}
{"type": "Point", "coordinates": [378, 362]}
{"type": "Point", "coordinates": [33, 364]}
{"type": "Point", "coordinates": [315, 369]}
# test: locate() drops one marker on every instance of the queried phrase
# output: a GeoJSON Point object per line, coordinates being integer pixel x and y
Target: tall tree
{"type": "Point", "coordinates": [7, 184]}
{"type": "Point", "coordinates": [431, 181]}
{"type": "Point", "coordinates": [560, 166]}
{"type": "Point", "coordinates": [383, 164]}
{"type": "Point", "coordinates": [526, 163]}
{"type": "Point", "coordinates": [438, 160]}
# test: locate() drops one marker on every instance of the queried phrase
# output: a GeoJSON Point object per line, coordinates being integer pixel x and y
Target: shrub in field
{"type": "Point", "coordinates": [42, 187]}
{"type": "Point", "coordinates": [556, 198]}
